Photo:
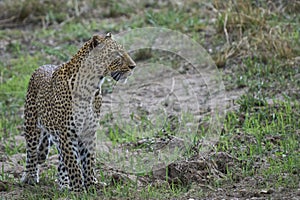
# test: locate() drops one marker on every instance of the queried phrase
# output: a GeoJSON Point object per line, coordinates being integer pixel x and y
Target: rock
{"type": "Point", "coordinates": [267, 191]}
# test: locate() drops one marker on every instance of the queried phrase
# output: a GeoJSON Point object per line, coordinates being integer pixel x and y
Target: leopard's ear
{"type": "Point", "coordinates": [108, 35]}
{"type": "Point", "coordinates": [96, 40]}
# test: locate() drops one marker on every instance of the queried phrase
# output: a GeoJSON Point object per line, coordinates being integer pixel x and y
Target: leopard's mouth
{"type": "Point", "coordinates": [120, 76]}
{"type": "Point", "coordinates": [117, 75]}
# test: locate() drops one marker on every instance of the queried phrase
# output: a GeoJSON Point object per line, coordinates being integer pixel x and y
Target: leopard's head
{"type": "Point", "coordinates": [118, 64]}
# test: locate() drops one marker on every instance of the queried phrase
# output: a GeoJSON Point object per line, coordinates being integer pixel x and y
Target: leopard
{"type": "Point", "coordinates": [62, 107]}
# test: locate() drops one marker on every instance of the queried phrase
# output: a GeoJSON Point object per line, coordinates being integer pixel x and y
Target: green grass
{"type": "Point", "coordinates": [262, 132]}
{"type": "Point", "coordinates": [255, 47]}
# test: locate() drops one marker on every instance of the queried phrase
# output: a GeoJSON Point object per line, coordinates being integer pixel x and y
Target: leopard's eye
{"type": "Point", "coordinates": [117, 55]}
{"type": "Point", "coordinates": [121, 55]}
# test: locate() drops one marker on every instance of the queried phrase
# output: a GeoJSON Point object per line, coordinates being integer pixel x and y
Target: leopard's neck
{"type": "Point", "coordinates": [88, 79]}
{"type": "Point", "coordinates": [83, 52]}
{"type": "Point", "coordinates": [83, 73]}
{"type": "Point", "coordinates": [73, 65]}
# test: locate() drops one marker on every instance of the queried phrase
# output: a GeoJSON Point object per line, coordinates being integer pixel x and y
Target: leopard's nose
{"type": "Point", "coordinates": [131, 66]}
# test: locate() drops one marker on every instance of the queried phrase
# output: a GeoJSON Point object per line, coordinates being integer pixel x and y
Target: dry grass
{"type": "Point", "coordinates": [18, 13]}
{"type": "Point", "coordinates": [46, 12]}
{"type": "Point", "coordinates": [251, 30]}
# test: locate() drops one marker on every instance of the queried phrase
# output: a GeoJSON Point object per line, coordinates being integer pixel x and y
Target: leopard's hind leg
{"type": "Point", "coordinates": [44, 147]}
{"type": "Point", "coordinates": [32, 135]}
{"type": "Point", "coordinates": [31, 174]}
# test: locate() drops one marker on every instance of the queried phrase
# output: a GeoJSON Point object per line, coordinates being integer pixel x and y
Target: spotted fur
{"type": "Point", "coordinates": [63, 107]}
